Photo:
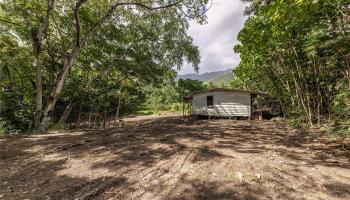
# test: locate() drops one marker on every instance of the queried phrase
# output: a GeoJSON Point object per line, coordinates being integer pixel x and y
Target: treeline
{"type": "Point", "coordinates": [171, 95]}
{"type": "Point", "coordinates": [299, 52]}
{"type": "Point", "coordinates": [86, 60]}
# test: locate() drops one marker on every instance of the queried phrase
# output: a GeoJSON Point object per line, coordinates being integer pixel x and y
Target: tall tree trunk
{"type": "Point", "coordinates": [310, 109]}
{"type": "Point", "coordinates": [302, 100]}
{"type": "Point", "coordinates": [57, 90]}
{"type": "Point", "coordinates": [119, 102]}
{"type": "Point", "coordinates": [80, 42]}
{"type": "Point", "coordinates": [79, 114]}
{"type": "Point", "coordinates": [97, 116]}
{"type": "Point", "coordinates": [285, 71]}
{"type": "Point", "coordinates": [95, 120]}
{"type": "Point", "coordinates": [37, 39]}
{"type": "Point", "coordinates": [347, 59]}
{"type": "Point", "coordinates": [38, 86]}
{"type": "Point", "coordinates": [67, 66]}
{"type": "Point", "coordinates": [105, 111]}
{"type": "Point", "coordinates": [303, 91]}
{"type": "Point", "coordinates": [319, 99]}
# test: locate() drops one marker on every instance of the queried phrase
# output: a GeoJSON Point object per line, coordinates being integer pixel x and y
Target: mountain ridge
{"type": "Point", "coordinates": [221, 80]}
{"type": "Point", "coordinates": [204, 77]}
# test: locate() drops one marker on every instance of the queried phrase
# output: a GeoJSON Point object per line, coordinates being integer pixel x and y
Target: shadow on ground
{"type": "Point", "coordinates": [168, 158]}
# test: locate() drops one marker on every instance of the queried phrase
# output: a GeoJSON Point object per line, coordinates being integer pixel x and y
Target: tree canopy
{"type": "Point", "coordinates": [59, 55]}
{"type": "Point", "coordinates": [299, 52]}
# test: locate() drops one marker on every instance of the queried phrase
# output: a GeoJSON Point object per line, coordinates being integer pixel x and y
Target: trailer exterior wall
{"type": "Point", "coordinates": [226, 104]}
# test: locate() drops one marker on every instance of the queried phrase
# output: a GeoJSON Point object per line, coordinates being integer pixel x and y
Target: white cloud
{"type": "Point", "coordinates": [217, 38]}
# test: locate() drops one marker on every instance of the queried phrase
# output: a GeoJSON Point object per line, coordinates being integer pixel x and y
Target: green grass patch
{"type": "Point", "coordinates": [144, 112]}
{"type": "Point", "coordinates": [172, 108]}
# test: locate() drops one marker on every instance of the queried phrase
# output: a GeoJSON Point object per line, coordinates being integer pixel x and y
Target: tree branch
{"type": "Point", "coordinates": [9, 22]}
{"type": "Point", "coordinates": [194, 16]}
{"type": "Point", "coordinates": [110, 11]}
{"type": "Point", "coordinates": [78, 4]}
{"type": "Point", "coordinates": [44, 26]}
{"type": "Point", "coordinates": [153, 8]}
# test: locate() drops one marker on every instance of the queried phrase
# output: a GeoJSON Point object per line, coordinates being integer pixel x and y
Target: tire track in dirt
{"type": "Point", "coordinates": [169, 158]}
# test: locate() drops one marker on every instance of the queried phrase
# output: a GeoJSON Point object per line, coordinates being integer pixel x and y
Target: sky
{"type": "Point", "coordinates": [217, 38]}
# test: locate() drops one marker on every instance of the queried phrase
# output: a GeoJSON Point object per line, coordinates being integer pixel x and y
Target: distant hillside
{"type": "Point", "coordinates": [205, 76]}
{"type": "Point", "coordinates": [223, 79]}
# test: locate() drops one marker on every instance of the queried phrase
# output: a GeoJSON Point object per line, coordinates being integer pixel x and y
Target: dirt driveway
{"type": "Point", "coordinates": [167, 158]}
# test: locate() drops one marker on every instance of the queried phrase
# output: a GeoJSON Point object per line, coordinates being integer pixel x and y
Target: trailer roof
{"type": "Point", "coordinates": [226, 90]}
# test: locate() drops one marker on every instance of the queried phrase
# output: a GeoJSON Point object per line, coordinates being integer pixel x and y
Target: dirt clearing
{"type": "Point", "coordinates": [167, 158]}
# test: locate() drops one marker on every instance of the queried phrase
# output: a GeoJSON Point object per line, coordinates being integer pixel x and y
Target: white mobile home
{"type": "Point", "coordinates": [221, 102]}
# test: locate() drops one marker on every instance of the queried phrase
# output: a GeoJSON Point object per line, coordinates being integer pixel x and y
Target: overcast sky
{"type": "Point", "coordinates": [217, 38]}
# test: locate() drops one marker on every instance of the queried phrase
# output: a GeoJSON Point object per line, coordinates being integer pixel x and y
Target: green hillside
{"type": "Point", "coordinates": [222, 79]}
{"type": "Point", "coordinates": [204, 77]}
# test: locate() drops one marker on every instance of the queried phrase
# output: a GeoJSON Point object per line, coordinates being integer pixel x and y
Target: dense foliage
{"type": "Point", "coordinates": [87, 62]}
{"type": "Point", "coordinates": [298, 51]}
{"type": "Point", "coordinates": [171, 95]}
{"type": "Point", "coordinates": [79, 61]}
{"type": "Point", "coordinates": [161, 97]}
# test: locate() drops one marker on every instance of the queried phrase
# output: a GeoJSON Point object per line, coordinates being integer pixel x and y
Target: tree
{"type": "Point", "coordinates": [186, 88]}
{"type": "Point", "coordinates": [162, 96]}
{"type": "Point", "coordinates": [296, 50]}
{"type": "Point", "coordinates": [16, 85]}
{"type": "Point", "coordinates": [60, 31]}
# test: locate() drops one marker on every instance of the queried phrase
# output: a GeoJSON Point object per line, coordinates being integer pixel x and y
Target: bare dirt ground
{"type": "Point", "coordinates": [168, 158]}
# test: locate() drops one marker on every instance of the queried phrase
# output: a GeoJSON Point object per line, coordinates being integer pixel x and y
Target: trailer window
{"type": "Point", "coordinates": [210, 101]}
